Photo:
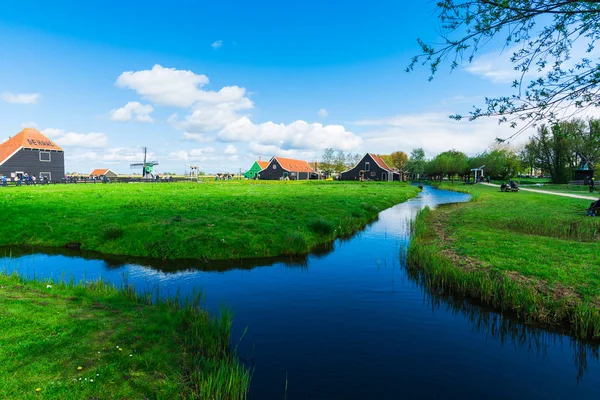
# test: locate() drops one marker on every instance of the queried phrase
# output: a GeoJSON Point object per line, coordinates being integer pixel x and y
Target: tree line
{"type": "Point", "coordinates": [556, 150]}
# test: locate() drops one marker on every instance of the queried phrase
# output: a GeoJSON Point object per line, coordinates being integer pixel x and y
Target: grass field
{"type": "Point", "coordinates": [93, 341]}
{"type": "Point", "coordinates": [532, 254]}
{"type": "Point", "coordinates": [212, 220]}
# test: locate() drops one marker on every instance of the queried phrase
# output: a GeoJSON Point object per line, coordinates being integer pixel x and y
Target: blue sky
{"type": "Point", "coordinates": [218, 84]}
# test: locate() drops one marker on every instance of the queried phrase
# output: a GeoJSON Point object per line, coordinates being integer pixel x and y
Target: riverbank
{"type": "Point", "coordinates": [91, 340]}
{"type": "Point", "coordinates": [530, 254]}
{"type": "Point", "coordinates": [209, 221]}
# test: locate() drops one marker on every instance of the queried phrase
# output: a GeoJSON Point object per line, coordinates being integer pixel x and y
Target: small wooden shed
{"type": "Point", "coordinates": [370, 167]}
{"type": "Point", "coordinates": [287, 168]}
{"type": "Point", "coordinates": [258, 166]}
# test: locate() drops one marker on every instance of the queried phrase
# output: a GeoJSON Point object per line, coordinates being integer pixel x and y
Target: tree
{"type": "Point", "coordinates": [416, 162]}
{"type": "Point", "coordinates": [559, 84]}
{"type": "Point", "coordinates": [398, 160]}
{"type": "Point", "coordinates": [339, 161]}
{"type": "Point", "coordinates": [352, 159]}
{"type": "Point", "coordinates": [449, 163]}
{"type": "Point", "coordinates": [563, 147]}
{"type": "Point", "coordinates": [550, 150]}
{"type": "Point", "coordinates": [499, 163]}
{"type": "Point", "coordinates": [327, 160]}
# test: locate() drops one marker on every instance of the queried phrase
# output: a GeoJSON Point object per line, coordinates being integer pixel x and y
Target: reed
{"type": "Point", "coordinates": [442, 265]}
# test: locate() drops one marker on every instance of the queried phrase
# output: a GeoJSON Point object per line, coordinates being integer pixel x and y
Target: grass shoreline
{"type": "Point", "coordinates": [525, 266]}
{"type": "Point", "coordinates": [93, 340]}
{"type": "Point", "coordinates": [205, 221]}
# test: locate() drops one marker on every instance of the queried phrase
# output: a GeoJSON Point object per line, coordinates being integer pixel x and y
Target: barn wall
{"type": "Point", "coordinates": [272, 174]}
{"type": "Point", "coordinates": [354, 173]}
{"type": "Point", "coordinates": [28, 160]}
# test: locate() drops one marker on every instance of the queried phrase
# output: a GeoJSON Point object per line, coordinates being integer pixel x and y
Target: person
{"type": "Point", "coordinates": [591, 184]}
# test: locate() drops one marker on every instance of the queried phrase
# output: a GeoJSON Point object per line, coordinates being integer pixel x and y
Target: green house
{"type": "Point", "coordinates": [255, 169]}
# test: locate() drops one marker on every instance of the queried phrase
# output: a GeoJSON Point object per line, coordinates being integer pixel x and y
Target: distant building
{"type": "Point", "coordinates": [30, 152]}
{"type": "Point", "coordinates": [255, 169]}
{"type": "Point", "coordinates": [287, 168]}
{"type": "Point", "coordinates": [105, 171]}
{"type": "Point", "coordinates": [584, 173]}
{"type": "Point", "coordinates": [370, 167]}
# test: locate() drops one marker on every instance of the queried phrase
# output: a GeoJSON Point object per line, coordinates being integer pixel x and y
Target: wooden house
{"type": "Point", "coordinates": [30, 152]}
{"type": "Point", "coordinates": [370, 167]}
{"type": "Point", "coordinates": [103, 172]}
{"type": "Point", "coordinates": [287, 168]}
{"type": "Point", "coordinates": [258, 166]}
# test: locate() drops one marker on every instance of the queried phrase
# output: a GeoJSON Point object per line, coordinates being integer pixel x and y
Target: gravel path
{"type": "Point", "coordinates": [575, 196]}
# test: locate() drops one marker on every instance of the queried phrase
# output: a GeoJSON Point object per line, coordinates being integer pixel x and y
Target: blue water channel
{"type": "Point", "coordinates": [350, 322]}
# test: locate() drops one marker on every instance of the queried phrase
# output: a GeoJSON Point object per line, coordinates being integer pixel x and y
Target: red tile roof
{"type": "Point", "coordinates": [380, 162]}
{"type": "Point", "coordinates": [263, 164]}
{"type": "Point", "coordinates": [98, 172]}
{"type": "Point", "coordinates": [294, 165]}
{"type": "Point", "coordinates": [28, 138]}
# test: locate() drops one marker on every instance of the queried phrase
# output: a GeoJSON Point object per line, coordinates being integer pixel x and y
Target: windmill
{"type": "Point", "coordinates": [193, 171]}
{"type": "Point", "coordinates": [147, 167]}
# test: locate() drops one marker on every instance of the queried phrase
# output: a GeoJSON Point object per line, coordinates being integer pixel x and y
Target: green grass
{"type": "Point", "coordinates": [93, 341]}
{"type": "Point", "coordinates": [211, 220]}
{"type": "Point", "coordinates": [532, 254]}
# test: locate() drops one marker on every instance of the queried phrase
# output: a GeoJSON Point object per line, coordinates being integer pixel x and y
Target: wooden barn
{"type": "Point", "coordinates": [370, 167]}
{"type": "Point", "coordinates": [258, 166]}
{"type": "Point", "coordinates": [287, 168]}
{"type": "Point", "coordinates": [30, 152]}
{"type": "Point", "coordinates": [103, 172]}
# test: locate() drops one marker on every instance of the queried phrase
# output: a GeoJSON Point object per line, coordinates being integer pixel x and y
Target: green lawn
{"type": "Point", "coordinates": [92, 341]}
{"type": "Point", "coordinates": [211, 220]}
{"type": "Point", "coordinates": [542, 242]}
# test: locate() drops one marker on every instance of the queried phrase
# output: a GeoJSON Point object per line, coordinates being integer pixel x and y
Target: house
{"type": "Point", "coordinates": [287, 168]}
{"type": "Point", "coordinates": [370, 167]}
{"type": "Point", "coordinates": [584, 173]}
{"type": "Point", "coordinates": [104, 171]}
{"type": "Point", "coordinates": [30, 152]}
{"type": "Point", "coordinates": [255, 169]}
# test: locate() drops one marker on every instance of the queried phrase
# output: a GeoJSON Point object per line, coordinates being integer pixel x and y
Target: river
{"type": "Point", "coordinates": [349, 322]}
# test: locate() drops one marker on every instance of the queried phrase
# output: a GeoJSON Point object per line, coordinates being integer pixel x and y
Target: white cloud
{"type": "Point", "coordinates": [217, 44]}
{"type": "Point", "coordinates": [200, 154]}
{"type": "Point", "coordinates": [29, 124]}
{"type": "Point", "coordinates": [132, 111]}
{"type": "Point", "coordinates": [212, 116]}
{"type": "Point", "coordinates": [298, 135]}
{"type": "Point", "coordinates": [165, 86]}
{"type": "Point", "coordinates": [22, 98]}
{"type": "Point", "coordinates": [434, 132]}
{"type": "Point", "coordinates": [230, 149]}
{"type": "Point", "coordinates": [196, 137]}
{"type": "Point", "coordinates": [73, 139]}
{"type": "Point", "coordinates": [322, 113]}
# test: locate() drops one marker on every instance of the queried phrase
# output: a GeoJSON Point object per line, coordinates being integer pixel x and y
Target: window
{"type": "Point", "coordinates": [45, 156]}
{"type": "Point", "coordinates": [373, 173]}
{"type": "Point", "coordinates": [367, 166]}
{"type": "Point", "coordinates": [274, 166]}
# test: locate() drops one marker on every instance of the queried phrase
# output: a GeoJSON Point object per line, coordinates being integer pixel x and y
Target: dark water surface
{"type": "Point", "coordinates": [350, 323]}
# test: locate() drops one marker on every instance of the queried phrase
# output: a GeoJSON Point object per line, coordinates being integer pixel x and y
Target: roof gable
{"type": "Point", "coordinates": [263, 164]}
{"type": "Point", "coordinates": [293, 165]}
{"type": "Point", "coordinates": [99, 171]}
{"type": "Point", "coordinates": [28, 138]}
{"type": "Point", "coordinates": [380, 162]}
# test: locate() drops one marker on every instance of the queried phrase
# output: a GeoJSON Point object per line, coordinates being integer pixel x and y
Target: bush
{"type": "Point", "coordinates": [321, 226]}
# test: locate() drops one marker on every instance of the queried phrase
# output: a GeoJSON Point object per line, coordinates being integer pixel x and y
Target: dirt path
{"type": "Point", "coordinates": [575, 196]}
